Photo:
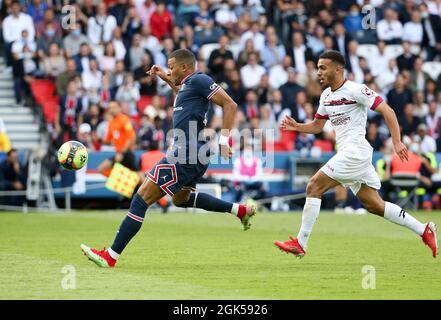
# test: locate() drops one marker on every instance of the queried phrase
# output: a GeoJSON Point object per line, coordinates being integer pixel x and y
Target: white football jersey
{"type": "Point", "coordinates": [347, 109]}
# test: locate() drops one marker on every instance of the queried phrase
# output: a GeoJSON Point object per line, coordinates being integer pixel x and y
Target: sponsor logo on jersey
{"type": "Point", "coordinates": [341, 102]}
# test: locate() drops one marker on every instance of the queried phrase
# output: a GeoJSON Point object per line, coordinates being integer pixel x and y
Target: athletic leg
{"type": "Point", "coordinates": [371, 200]}
{"type": "Point", "coordinates": [317, 186]}
{"type": "Point", "coordinates": [146, 195]}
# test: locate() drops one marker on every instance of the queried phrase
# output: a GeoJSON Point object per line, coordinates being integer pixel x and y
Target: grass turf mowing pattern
{"type": "Point", "coordinates": [208, 256]}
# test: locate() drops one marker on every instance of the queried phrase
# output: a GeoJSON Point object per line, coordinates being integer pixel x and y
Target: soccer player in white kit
{"type": "Point", "coordinates": [345, 104]}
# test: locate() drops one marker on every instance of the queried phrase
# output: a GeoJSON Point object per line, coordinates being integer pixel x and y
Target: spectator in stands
{"type": "Point", "coordinates": [255, 35]}
{"type": "Point", "coordinates": [24, 65]}
{"type": "Point", "coordinates": [299, 53]}
{"type": "Point", "coordinates": [129, 93]}
{"type": "Point", "coordinates": [421, 108]}
{"type": "Point", "coordinates": [68, 116]}
{"type": "Point", "coordinates": [117, 76]}
{"type": "Point", "coordinates": [118, 44]}
{"type": "Point", "coordinates": [145, 9]}
{"type": "Point", "coordinates": [55, 63]}
{"type": "Point", "coordinates": [5, 143]}
{"type": "Point", "coordinates": [49, 21]}
{"type": "Point", "coordinates": [341, 39]}
{"type": "Point", "coordinates": [226, 17]}
{"type": "Point", "coordinates": [373, 136]}
{"type": "Point", "coordinates": [46, 39]}
{"type": "Point", "coordinates": [268, 124]}
{"type": "Point", "coordinates": [122, 136]}
{"type": "Point", "coordinates": [418, 77]}
{"type": "Point", "coordinates": [247, 173]}
{"type": "Point", "coordinates": [245, 53]}
{"type": "Point", "coordinates": [433, 120]}
{"type": "Point", "coordinates": [413, 30]}
{"type": "Point", "coordinates": [290, 89]}
{"type": "Point", "coordinates": [73, 41]}
{"type": "Point", "coordinates": [273, 52]}
{"type": "Point", "coordinates": [93, 118]}
{"type": "Point", "coordinates": [235, 89]}
{"type": "Point", "coordinates": [251, 107]}
{"type": "Point", "coordinates": [100, 27]}
{"type": "Point", "coordinates": [406, 60]}
{"type": "Point", "coordinates": [83, 58]}
{"type": "Point", "coordinates": [192, 42]}
{"type": "Point", "coordinates": [119, 10]}
{"type": "Point", "coordinates": [431, 32]}
{"type": "Point", "coordinates": [408, 121]}
{"type": "Point", "coordinates": [108, 61]}
{"type": "Point", "coordinates": [91, 78]}
{"type": "Point", "coordinates": [263, 89]}
{"type": "Point", "coordinates": [218, 57]}
{"type": "Point", "coordinates": [427, 143]}
{"type": "Point", "coordinates": [85, 136]}
{"type": "Point", "coordinates": [148, 41]}
{"type": "Point", "coordinates": [315, 35]}
{"type": "Point", "coordinates": [12, 178]}
{"type": "Point", "coordinates": [147, 84]}
{"type": "Point", "coordinates": [131, 24]}
{"type": "Point", "coordinates": [13, 25]}
{"type": "Point", "coordinates": [353, 21]}
{"type": "Point", "coordinates": [399, 96]}
{"type": "Point", "coordinates": [63, 78]}
{"type": "Point", "coordinates": [251, 73]}
{"type": "Point", "coordinates": [278, 74]}
{"type": "Point", "coordinates": [379, 62]}
{"type": "Point", "coordinates": [161, 22]}
{"type": "Point", "coordinates": [386, 79]}
{"type": "Point", "coordinates": [276, 105]}
{"type": "Point", "coordinates": [390, 29]}
{"type": "Point", "coordinates": [136, 53]}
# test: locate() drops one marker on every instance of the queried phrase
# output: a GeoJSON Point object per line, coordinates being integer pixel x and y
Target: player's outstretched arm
{"type": "Point", "coordinates": [314, 127]}
{"type": "Point", "coordinates": [156, 70]}
{"type": "Point", "coordinates": [221, 98]}
{"type": "Point", "coordinates": [392, 123]}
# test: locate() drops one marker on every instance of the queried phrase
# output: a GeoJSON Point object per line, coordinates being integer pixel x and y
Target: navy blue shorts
{"type": "Point", "coordinates": [172, 178]}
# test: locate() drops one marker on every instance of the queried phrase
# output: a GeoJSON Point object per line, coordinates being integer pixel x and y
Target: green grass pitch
{"type": "Point", "coordinates": [208, 256]}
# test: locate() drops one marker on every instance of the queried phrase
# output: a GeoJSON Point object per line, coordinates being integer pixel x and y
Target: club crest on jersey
{"type": "Point", "coordinates": [367, 92]}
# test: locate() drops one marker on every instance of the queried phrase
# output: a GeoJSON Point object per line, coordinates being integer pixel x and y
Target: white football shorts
{"type": "Point", "coordinates": [352, 167]}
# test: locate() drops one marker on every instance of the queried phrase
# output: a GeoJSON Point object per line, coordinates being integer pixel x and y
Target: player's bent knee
{"type": "Point", "coordinates": [313, 189]}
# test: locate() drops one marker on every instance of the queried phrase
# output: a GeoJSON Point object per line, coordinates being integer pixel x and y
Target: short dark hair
{"type": "Point", "coordinates": [11, 151]}
{"type": "Point", "coordinates": [183, 56]}
{"type": "Point", "coordinates": [334, 56]}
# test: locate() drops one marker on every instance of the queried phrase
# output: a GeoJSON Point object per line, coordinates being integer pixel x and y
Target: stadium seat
{"type": "Point", "coordinates": [406, 183]}
{"type": "Point", "coordinates": [42, 89]}
{"type": "Point", "coordinates": [50, 107]}
{"type": "Point", "coordinates": [432, 68]}
{"type": "Point", "coordinates": [286, 141]}
{"type": "Point", "coordinates": [367, 51]}
{"type": "Point", "coordinates": [207, 49]}
{"type": "Point", "coordinates": [143, 102]}
{"type": "Point", "coordinates": [393, 50]}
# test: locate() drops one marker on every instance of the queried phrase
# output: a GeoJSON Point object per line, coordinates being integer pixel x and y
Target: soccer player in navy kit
{"type": "Point", "coordinates": [187, 160]}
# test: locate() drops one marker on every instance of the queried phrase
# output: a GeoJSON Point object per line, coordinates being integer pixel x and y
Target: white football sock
{"type": "Point", "coordinates": [235, 209]}
{"type": "Point", "coordinates": [394, 213]}
{"type": "Point", "coordinates": [310, 214]}
{"type": "Point", "coordinates": [113, 254]}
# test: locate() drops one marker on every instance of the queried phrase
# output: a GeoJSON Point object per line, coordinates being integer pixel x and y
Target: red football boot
{"type": "Point", "coordinates": [429, 238]}
{"type": "Point", "coordinates": [293, 246]}
{"type": "Point", "coordinates": [101, 258]}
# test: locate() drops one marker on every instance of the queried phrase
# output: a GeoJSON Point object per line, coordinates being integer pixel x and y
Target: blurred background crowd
{"type": "Point", "coordinates": [262, 52]}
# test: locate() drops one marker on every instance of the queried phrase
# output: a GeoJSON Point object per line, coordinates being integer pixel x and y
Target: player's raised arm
{"type": "Point", "coordinates": [221, 98]}
{"type": "Point", "coordinates": [156, 70]}
{"type": "Point", "coordinates": [314, 127]}
{"type": "Point", "coordinates": [392, 123]}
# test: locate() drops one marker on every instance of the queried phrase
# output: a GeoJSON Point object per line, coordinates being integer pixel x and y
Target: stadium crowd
{"type": "Point", "coordinates": [262, 52]}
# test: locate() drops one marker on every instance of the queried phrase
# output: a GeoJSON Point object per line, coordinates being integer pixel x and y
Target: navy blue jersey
{"type": "Point", "coordinates": [189, 115]}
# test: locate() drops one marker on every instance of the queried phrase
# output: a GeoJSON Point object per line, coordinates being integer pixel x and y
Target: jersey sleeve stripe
{"type": "Point", "coordinates": [213, 92]}
{"type": "Point", "coordinates": [319, 116]}
{"type": "Point", "coordinates": [377, 101]}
